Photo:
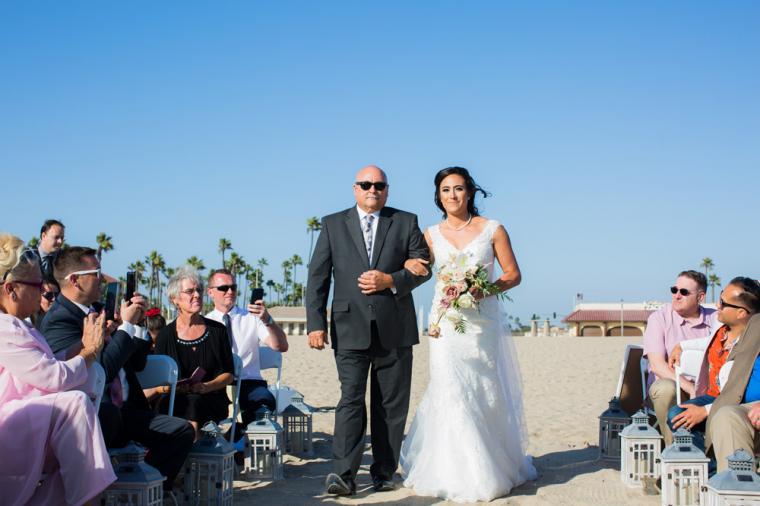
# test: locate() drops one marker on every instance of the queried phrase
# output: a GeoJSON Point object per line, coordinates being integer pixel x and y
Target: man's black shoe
{"type": "Point", "coordinates": [336, 485]}
{"type": "Point", "coordinates": [382, 485]}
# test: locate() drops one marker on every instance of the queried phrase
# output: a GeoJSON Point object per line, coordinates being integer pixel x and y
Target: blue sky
{"type": "Point", "coordinates": [619, 140]}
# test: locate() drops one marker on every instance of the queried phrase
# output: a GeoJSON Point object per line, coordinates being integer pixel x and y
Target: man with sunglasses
{"type": "Point", "coordinates": [683, 319]}
{"type": "Point", "coordinates": [124, 412]}
{"type": "Point", "coordinates": [734, 313]}
{"type": "Point", "coordinates": [248, 330]}
{"type": "Point", "coordinates": [361, 252]}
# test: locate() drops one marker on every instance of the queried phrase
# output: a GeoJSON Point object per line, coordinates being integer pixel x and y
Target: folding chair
{"type": "Point", "coordinates": [270, 359]}
{"type": "Point", "coordinates": [161, 370]}
{"type": "Point", "coordinates": [95, 384]}
{"type": "Point", "coordinates": [238, 377]}
{"type": "Point", "coordinates": [631, 387]}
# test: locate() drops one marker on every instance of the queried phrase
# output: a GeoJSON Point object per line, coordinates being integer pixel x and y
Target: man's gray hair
{"type": "Point", "coordinates": [174, 286]}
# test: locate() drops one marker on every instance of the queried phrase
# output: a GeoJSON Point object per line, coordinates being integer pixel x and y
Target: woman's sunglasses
{"type": "Point", "coordinates": [49, 296]}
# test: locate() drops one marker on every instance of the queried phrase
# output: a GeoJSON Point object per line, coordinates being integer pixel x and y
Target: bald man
{"type": "Point", "coordinates": [361, 251]}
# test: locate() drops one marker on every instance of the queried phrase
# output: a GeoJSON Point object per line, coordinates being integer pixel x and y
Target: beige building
{"type": "Point", "coordinates": [608, 318]}
{"type": "Point", "coordinates": [292, 319]}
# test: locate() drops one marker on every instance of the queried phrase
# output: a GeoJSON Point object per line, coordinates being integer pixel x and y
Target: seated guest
{"type": "Point", "coordinates": [124, 412]}
{"type": "Point", "coordinates": [43, 427]}
{"type": "Point", "coordinates": [715, 366]}
{"type": "Point", "coordinates": [52, 235]}
{"type": "Point", "coordinates": [249, 329]}
{"type": "Point", "coordinates": [683, 319]}
{"type": "Point", "coordinates": [196, 342]}
{"type": "Point", "coordinates": [734, 418]}
{"type": "Point", "coordinates": [48, 294]}
{"type": "Point", "coordinates": [154, 323]}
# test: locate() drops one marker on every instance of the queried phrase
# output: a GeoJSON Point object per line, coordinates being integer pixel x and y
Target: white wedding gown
{"type": "Point", "coordinates": [468, 438]}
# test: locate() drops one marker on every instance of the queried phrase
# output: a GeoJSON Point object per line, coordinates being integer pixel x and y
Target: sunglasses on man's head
{"type": "Point", "coordinates": [366, 185]}
{"type": "Point", "coordinates": [224, 288]}
{"type": "Point", "coordinates": [683, 291]}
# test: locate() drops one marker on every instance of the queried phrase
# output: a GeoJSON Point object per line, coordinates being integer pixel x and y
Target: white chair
{"type": "Point", "coordinates": [270, 359]}
{"type": "Point", "coordinates": [238, 377]}
{"type": "Point", "coordinates": [95, 384]}
{"type": "Point", "coordinates": [161, 370]}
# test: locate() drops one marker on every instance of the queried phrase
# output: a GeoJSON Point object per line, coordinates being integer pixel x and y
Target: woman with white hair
{"type": "Point", "coordinates": [44, 428]}
{"type": "Point", "coordinates": [201, 348]}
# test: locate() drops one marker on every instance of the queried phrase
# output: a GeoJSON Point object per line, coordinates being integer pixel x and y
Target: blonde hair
{"type": "Point", "coordinates": [12, 258]}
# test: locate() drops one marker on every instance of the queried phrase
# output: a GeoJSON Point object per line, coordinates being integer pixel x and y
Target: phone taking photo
{"type": "Point", "coordinates": [131, 286]}
{"type": "Point", "coordinates": [257, 294]}
{"type": "Point", "coordinates": [110, 304]}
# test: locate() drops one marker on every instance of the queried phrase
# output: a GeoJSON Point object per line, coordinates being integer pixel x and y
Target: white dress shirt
{"type": "Point", "coordinates": [248, 332]}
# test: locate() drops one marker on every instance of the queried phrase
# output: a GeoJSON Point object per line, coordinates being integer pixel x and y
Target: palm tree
{"type": "Point", "coordinates": [156, 264]}
{"type": "Point", "coordinates": [224, 245]}
{"type": "Point", "coordinates": [708, 265]}
{"type": "Point", "coordinates": [270, 284]}
{"type": "Point", "coordinates": [33, 242]}
{"type": "Point", "coordinates": [105, 244]}
{"type": "Point", "coordinates": [297, 293]}
{"type": "Point", "coordinates": [236, 265]}
{"type": "Point", "coordinates": [286, 275]}
{"type": "Point", "coordinates": [196, 262]}
{"type": "Point", "coordinates": [139, 269]}
{"type": "Point", "coordinates": [260, 263]}
{"type": "Point", "coordinates": [295, 261]}
{"type": "Point", "coordinates": [312, 225]}
{"type": "Point", "coordinates": [279, 289]}
{"type": "Point", "coordinates": [713, 280]}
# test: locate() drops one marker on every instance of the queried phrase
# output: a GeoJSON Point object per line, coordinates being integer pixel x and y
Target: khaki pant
{"type": "Point", "coordinates": [663, 396]}
{"type": "Point", "coordinates": [730, 429]}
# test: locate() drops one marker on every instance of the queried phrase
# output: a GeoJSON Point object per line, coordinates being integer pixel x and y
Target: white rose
{"type": "Point", "coordinates": [466, 301]}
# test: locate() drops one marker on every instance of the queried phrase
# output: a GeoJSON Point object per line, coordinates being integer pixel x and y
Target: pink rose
{"type": "Point", "coordinates": [451, 292]}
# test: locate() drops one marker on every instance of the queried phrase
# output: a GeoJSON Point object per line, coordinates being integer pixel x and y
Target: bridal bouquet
{"type": "Point", "coordinates": [458, 281]}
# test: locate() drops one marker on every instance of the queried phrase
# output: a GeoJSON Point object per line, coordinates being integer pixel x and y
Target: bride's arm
{"type": "Point", "coordinates": [502, 247]}
{"type": "Point", "coordinates": [419, 266]}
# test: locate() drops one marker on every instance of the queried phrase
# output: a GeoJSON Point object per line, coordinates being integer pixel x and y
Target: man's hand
{"type": "Point", "coordinates": [132, 311]}
{"type": "Point", "coordinates": [675, 356]}
{"type": "Point", "coordinates": [318, 339]}
{"type": "Point", "coordinates": [417, 266]}
{"type": "Point", "coordinates": [754, 416]}
{"type": "Point", "coordinates": [374, 281]}
{"type": "Point", "coordinates": [692, 416]}
{"type": "Point", "coordinates": [259, 309]}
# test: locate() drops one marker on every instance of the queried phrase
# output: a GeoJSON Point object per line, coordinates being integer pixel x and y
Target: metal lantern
{"type": "Point", "coordinates": [611, 423]}
{"type": "Point", "coordinates": [738, 485]}
{"type": "Point", "coordinates": [297, 426]}
{"type": "Point", "coordinates": [209, 468]}
{"type": "Point", "coordinates": [640, 451]}
{"type": "Point", "coordinates": [137, 483]}
{"type": "Point", "coordinates": [684, 471]}
{"type": "Point", "coordinates": [264, 459]}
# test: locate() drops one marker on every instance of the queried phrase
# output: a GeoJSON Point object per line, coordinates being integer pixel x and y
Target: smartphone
{"type": "Point", "coordinates": [256, 294]}
{"type": "Point", "coordinates": [131, 285]}
{"type": "Point", "coordinates": [110, 304]}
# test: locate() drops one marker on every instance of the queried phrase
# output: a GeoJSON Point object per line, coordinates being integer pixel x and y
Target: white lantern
{"type": "Point", "coordinates": [684, 472]}
{"type": "Point", "coordinates": [137, 483]}
{"type": "Point", "coordinates": [611, 423]}
{"type": "Point", "coordinates": [640, 447]}
{"type": "Point", "coordinates": [264, 459]}
{"type": "Point", "coordinates": [297, 426]}
{"type": "Point", "coordinates": [738, 485]}
{"type": "Point", "coordinates": [208, 469]}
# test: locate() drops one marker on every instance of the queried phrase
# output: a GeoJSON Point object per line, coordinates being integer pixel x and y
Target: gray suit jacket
{"type": "Point", "coordinates": [744, 354]}
{"type": "Point", "coordinates": [340, 257]}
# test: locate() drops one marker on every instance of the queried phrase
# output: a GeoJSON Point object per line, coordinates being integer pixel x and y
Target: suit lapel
{"type": "Point", "coordinates": [355, 231]}
{"type": "Point", "coordinates": [383, 224]}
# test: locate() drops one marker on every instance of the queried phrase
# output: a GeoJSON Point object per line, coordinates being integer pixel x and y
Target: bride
{"type": "Point", "coordinates": [468, 438]}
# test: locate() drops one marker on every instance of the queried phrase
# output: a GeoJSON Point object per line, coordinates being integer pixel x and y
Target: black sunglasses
{"type": "Point", "coordinates": [683, 291]}
{"type": "Point", "coordinates": [723, 303]}
{"type": "Point", "coordinates": [366, 185]}
{"type": "Point", "coordinates": [49, 296]}
{"type": "Point", "coordinates": [224, 288]}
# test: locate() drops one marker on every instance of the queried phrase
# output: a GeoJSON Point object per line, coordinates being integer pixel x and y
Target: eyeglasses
{"type": "Point", "coordinates": [191, 291]}
{"type": "Point", "coordinates": [366, 185]}
{"type": "Point", "coordinates": [35, 284]}
{"type": "Point", "coordinates": [224, 288]}
{"type": "Point", "coordinates": [683, 291]}
{"type": "Point", "coordinates": [27, 255]}
{"type": "Point", "coordinates": [49, 296]}
{"type": "Point", "coordinates": [84, 273]}
{"type": "Point", "coordinates": [723, 303]}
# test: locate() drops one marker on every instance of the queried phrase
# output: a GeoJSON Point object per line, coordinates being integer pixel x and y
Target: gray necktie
{"type": "Point", "coordinates": [368, 219]}
{"type": "Point", "coordinates": [228, 324]}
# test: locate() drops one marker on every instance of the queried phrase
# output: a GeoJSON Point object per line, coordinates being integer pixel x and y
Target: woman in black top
{"type": "Point", "coordinates": [194, 341]}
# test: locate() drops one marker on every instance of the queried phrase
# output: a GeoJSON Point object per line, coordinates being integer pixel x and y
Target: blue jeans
{"type": "Point", "coordinates": [698, 431]}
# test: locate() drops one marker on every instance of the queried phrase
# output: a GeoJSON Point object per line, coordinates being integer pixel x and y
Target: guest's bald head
{"type": "Point", "coordinates": [372, 198]}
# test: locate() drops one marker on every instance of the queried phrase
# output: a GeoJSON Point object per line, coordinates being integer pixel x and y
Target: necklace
{"type": "Point", "coordinates": [457, 229]}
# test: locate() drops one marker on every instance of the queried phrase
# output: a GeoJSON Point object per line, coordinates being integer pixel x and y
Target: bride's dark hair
{"type": "Point", "coordinates": [472, 188]}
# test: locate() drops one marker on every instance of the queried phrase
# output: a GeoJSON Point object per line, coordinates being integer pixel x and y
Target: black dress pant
{"type": "Point", "coordinates": [391, 374]}
{"type": "Point", "coordinates": [167, 438]}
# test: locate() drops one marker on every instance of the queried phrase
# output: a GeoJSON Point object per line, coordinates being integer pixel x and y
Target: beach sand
{"type": "Point", "coordinates": [568, 382]}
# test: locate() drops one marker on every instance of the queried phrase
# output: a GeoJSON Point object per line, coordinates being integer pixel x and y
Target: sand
{"type": "Point", "coordinates": [567, 383]}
